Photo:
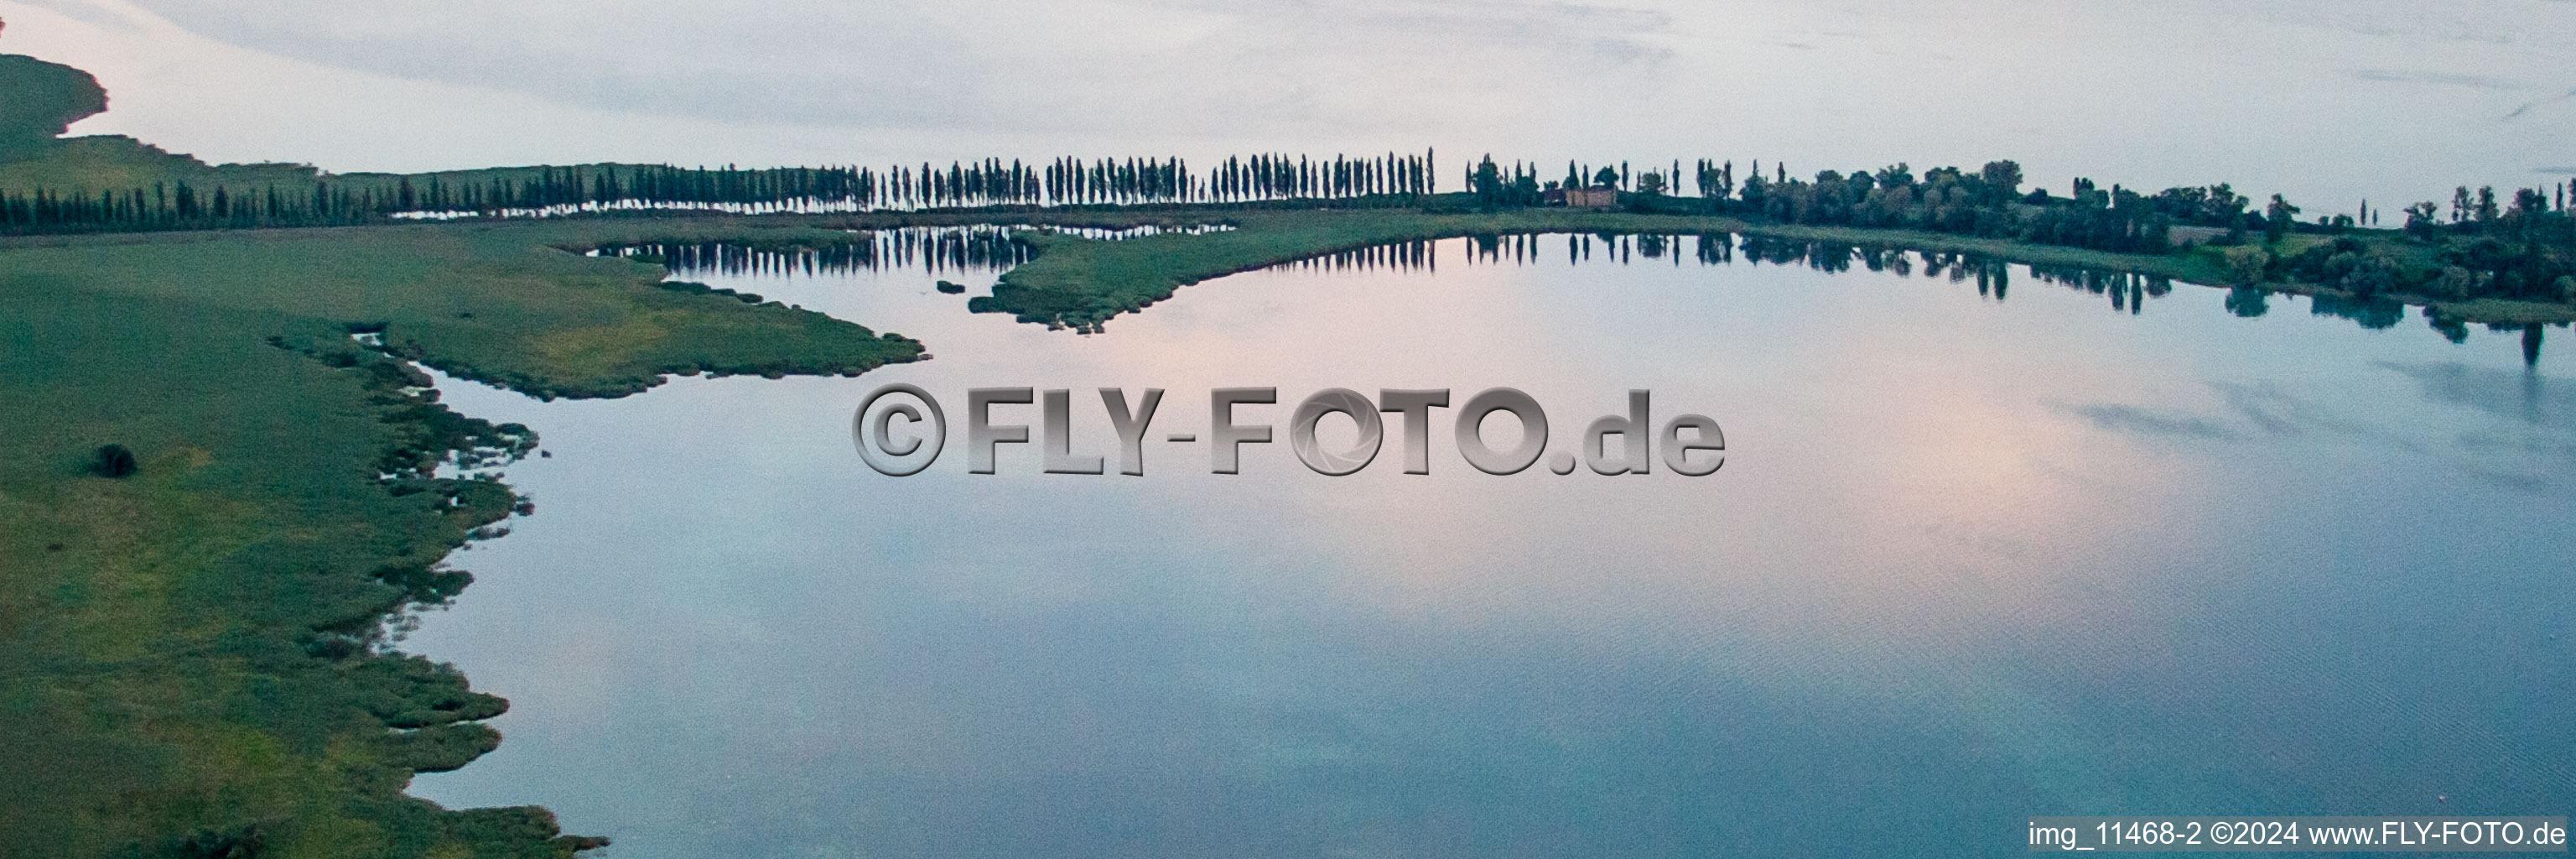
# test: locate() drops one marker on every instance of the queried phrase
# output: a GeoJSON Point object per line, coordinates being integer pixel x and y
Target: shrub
{"type": "Point", "coordinates": [2247, 264]}
{"type": "Point", "coordinates": [114, 461]}
{"type": "Point", "coordinates": [2453, 283]}
{"type": "Point", "coordinates": [2368, 274]}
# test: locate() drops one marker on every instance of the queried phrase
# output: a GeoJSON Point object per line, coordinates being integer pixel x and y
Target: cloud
{"type": "Point", "coordinates": [2527, 106]}
{"type": "Point", "coordinates": [2134, 420]}
{"type": "Point", "coordinates": [2531, 449]}
{"type": "Point", "coordinates": [2439, 78]}
{"type": "Point", "coordinates": [2279, 412]}
{"type": "Point", "coordinates": [420, 84]}
{"type": "Point", "coordinates": [2524, 396]}
{"type": "Point", "coordinates": [1159, 66]}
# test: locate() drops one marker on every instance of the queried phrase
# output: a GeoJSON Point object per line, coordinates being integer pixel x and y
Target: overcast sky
{"type": "Point", "coordinates": [2327, 99]}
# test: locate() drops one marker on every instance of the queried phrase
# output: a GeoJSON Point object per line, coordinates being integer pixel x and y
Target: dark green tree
{"type": "Point", "coordinates": [114, 461]}
{"type": "Point", "coordinates": [2278, 218]}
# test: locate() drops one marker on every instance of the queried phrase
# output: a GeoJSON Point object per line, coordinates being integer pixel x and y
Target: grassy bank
{"type": "Point", "coordinates": [192, 668]}
{"type": "Point", "coordinates": [1081, 283]}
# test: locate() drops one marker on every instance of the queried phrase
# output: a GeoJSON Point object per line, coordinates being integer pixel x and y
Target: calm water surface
{"type": "Point", "coordinates": [1970, 559]}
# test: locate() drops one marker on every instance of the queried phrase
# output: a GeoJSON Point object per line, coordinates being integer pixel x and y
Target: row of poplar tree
{"type": "Point", "coordinates": [1390, 179]}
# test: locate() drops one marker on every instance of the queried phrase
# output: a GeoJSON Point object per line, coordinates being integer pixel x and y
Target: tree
{"type": "Point", "coordinates": [114, 461]}
{"type": "Point", "coordinates": [2003, 178]}
{"type": "Point", "coordinates": [2277, 218]}
{"type": "Point", "coordinates": [1487, 181]}
{"type": "Point", "coordinates": [1608, 177]}
{"type": "Point", "coordinates": [2419, 219]}
{"type": "Point", "coordinates": [1650, 184]}
{"type": "Point", "coordinates": [2247, 301]}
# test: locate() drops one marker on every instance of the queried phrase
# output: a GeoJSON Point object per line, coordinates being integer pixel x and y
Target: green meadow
{"type": "Point", "coordinates": [194, 662]}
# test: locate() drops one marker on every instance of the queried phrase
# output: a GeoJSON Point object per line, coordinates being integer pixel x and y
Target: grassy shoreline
{"type": "Point", "coordinates": [196, 648]}
{"type": "Point", "coordinates": [1082, 283]}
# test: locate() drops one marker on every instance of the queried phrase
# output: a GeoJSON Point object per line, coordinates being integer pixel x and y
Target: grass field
{"type": "Point", "coordinates": [190, 668]}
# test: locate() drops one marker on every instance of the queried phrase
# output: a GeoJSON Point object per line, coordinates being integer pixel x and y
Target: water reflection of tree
{"type": "Point", "coordinates": [929, 249]}
{"type": "Point", "coordinates": [2249, 302]}
{"type": "Point", "coordinates": [946, 249]}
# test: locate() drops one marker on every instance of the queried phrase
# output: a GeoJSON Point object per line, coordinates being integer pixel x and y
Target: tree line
{"type": "Point", "coordinates": [1391, 179]}
{"type": "Point", "coordinates": [2522, 248]}
{"type": "Point", "coordinates": [2518, 245]}
{"type": "Point", "coordinates": [375, 198]}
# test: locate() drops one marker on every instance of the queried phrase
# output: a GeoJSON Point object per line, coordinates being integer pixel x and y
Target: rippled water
{"type": "Point", "coordinates": [1971, 558]}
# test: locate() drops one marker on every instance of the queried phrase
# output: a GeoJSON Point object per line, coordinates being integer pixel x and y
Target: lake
{"type": "Point", "coordinates": [1975, 555]}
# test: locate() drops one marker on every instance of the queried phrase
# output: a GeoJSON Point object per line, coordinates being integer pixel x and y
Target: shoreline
{"type": "Point", "coordinates": [1265, 236]}
{"type": "Point", "coordinates": [223, 601]}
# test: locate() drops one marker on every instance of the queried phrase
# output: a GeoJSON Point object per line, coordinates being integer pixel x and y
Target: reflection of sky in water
{"type": "Point", "coordinates": [1968, 561]}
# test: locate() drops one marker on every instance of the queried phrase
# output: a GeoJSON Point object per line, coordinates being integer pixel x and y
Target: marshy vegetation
{"type": "Point", "coordinates": [197, 612]}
